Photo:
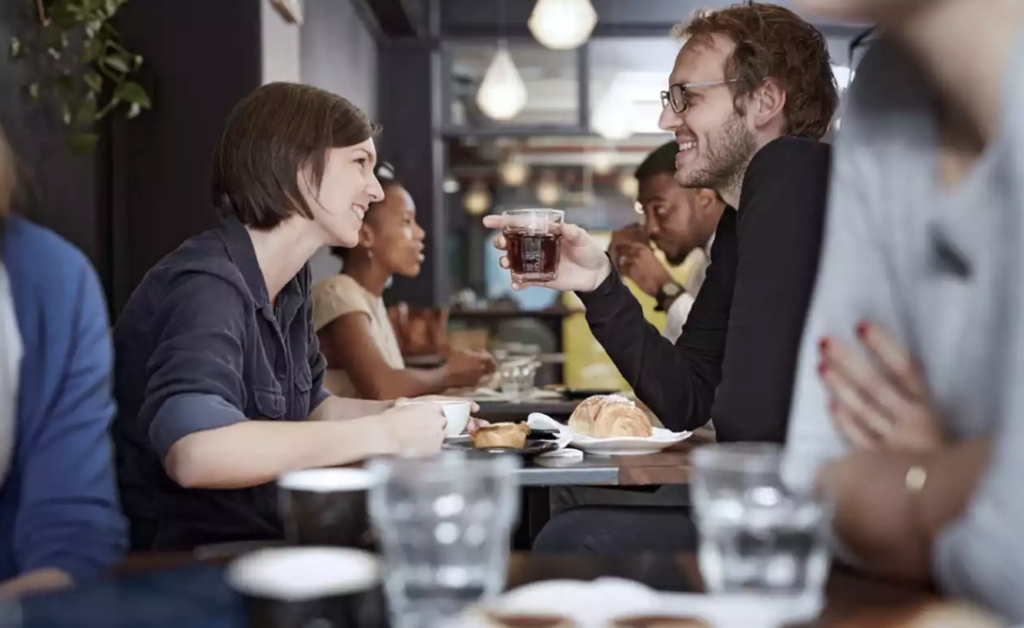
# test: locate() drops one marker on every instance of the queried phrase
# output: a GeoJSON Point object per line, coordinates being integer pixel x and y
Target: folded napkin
{"type": "Point", "coordinates": [539, 421]}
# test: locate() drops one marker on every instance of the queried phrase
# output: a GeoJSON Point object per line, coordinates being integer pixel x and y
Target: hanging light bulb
{"type": "Point", "coordinates": [629, 186]}
{"type": "Point", "coordinates": [548, 190]}
{"type": "Point", "coordinates": [450, 185]}
{"type": "Point", "coordinates": [562, 24]}
{"type": "Point", "coordinates": [514, 173]}
{"type": "Point", "coordinates": [602, 163]}
{"type": "Point", "coordinates": [477, 200]}
{"type": "Point", "coordinates": [502, 94]}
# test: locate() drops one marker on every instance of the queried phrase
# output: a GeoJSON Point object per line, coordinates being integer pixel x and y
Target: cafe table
{"type": "Point", "coordinates": [175, 591]}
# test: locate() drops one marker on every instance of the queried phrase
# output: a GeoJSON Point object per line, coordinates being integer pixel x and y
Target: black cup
{"type": "Point", "coordinates": [310, 587]}
{"type": "Point", "coordinates": [326, 507]}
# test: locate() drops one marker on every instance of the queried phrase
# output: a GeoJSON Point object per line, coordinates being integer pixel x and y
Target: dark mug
{"type": "Point", "coordinates": [309, 587]}
{"type": "Point", "coordinates": [326, 507]}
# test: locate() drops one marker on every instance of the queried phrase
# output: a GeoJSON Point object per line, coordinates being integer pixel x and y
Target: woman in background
{"type": "Point", "coordinates": [59, 518]}
{"type": "Point", "coordinates": [356, 336]}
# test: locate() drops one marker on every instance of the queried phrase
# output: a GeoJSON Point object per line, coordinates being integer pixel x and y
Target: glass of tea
{"type": "Point", "coordinates": [534, 243]}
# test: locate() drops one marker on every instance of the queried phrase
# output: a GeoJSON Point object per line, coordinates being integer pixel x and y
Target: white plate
{"type": "Point", "coordinates": [629, 445]}
{"type": "Point", "coordinates": [596, 604]}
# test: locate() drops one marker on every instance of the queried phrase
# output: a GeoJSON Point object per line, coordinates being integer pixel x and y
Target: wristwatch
{"type": "Point", "coordinates": [667, 294]}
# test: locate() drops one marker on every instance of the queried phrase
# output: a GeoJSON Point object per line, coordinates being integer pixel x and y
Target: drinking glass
{"type": "Point", "coordinates": [325, 507]}
{"type": "Point", "coordinates": [757, 535]}
{"type": "Point", "coordinates": [534, 243]}
{"type": "Point", "coordinates": [444, 526]}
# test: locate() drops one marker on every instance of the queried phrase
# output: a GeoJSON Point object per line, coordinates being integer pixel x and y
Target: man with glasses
{"type": "Point", "coordinates": [751, 92]}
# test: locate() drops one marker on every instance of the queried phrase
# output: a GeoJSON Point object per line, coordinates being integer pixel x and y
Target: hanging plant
{"type": "Point", "coordinates": [82, 69]}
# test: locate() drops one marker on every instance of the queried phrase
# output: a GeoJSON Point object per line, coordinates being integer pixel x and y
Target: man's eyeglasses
{"type": "Point", "coordinates": [676, 94]}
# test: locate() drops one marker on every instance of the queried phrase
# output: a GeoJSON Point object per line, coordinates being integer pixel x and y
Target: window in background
{"type": "Point", "coordinates": [627, 76]}
{"type": "Point", "coordinates": [550, 78]}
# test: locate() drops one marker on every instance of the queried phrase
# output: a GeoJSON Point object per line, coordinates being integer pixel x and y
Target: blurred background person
{"type": "Point", "coordinates": [364, 357]}
{"type": "Point", "coordinates": [681, 222]}
{"type": "Point", "coordinates": [59, 518]}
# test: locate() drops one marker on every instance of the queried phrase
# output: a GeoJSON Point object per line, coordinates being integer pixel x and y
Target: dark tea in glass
{"type": "Point", "coordinates": [534, 243]}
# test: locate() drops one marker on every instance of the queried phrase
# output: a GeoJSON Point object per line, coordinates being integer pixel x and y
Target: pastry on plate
{"type": "Point", "coordinates": [512, 435]}
{"type": "Point", "coordinates": [610, 416]}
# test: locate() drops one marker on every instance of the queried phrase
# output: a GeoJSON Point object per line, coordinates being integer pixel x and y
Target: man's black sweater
{"type": "Point", "coordinates": [736, 358]}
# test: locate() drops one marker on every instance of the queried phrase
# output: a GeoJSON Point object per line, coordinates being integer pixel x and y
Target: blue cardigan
{"type": "Point", "coordinates": [58, 505]}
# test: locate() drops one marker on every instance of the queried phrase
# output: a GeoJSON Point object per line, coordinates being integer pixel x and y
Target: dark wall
{"type": "Point", "coordinates": [63, 191]}
{"type": "Point", "coordinates": [201, 57]}
{"type": "Point", "coordinates": [339, 54]}
{"type": "Point", "coordinates": [409, 109]}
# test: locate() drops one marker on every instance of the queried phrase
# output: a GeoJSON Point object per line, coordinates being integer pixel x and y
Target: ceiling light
{"type": "Point", "coordinates": [514, 173]}
{"type": "Point", "coordinates": [477, 200]}
{"type": "Point", "coordinates": [548, 190]}
{"type": "Point", "coordinates": [502, 93]}
{"type": "Point", "coordinates": [562, 24]}
{"type": "Point", "coordinates": [629, 186]}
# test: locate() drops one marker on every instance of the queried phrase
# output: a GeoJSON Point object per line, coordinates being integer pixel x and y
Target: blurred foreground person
{"type": "Point", "coordinates": [59, 520]}
{"type": "Point", "coordinates": [914, 344]}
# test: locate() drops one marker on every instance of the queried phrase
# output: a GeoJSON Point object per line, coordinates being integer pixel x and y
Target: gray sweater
{"type": "Point", "coordinates": [944, 272]}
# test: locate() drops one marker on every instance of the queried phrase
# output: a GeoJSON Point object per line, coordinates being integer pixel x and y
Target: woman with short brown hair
{"type": "Point", "coordinates": [219, 366]}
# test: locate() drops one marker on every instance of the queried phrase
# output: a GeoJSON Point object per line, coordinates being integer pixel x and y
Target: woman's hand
{"type": "Point", "coordinates": [879, 401]}
{"type": "Point", "coordinates": [467, 368]}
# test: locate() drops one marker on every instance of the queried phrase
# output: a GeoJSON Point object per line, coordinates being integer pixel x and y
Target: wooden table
{"type": "Point", "coordinates": [852, 600]}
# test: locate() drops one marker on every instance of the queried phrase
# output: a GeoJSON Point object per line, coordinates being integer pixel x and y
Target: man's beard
{"type": "Point", "coordinates": [727, 154]}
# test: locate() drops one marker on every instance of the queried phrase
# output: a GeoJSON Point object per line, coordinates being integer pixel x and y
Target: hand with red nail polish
{"type": "Point", "coordinates": [879, 399]}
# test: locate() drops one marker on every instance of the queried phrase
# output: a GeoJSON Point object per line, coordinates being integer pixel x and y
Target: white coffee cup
{"type": "Point", "coordinates": [455, 410]}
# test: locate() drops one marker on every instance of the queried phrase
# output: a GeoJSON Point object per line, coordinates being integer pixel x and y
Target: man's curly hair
{"type": "Point", "coordinates": [774, 42]}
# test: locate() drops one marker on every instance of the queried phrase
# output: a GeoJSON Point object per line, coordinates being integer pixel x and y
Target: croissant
{"type": "Point", "coordinates": [511, 435]}
{"type": "Point", "coordinates": [615, 420]}
{"type": "Point", "coordinates": [609, 416]}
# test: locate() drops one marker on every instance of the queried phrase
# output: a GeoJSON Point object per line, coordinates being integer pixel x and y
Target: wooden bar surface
{"type": "Point", "coordinates": [852, 600]}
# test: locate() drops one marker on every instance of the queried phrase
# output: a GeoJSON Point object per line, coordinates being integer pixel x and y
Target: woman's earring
{"type": "Point", "coordinates": [369, 254]}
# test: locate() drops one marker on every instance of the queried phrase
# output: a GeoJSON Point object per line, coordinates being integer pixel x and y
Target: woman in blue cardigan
{"type": "Point", "coordinates": [59, 517]}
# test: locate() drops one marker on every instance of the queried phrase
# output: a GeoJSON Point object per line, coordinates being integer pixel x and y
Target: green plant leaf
{"type": "Point", "coordinates": [54, 53]}
{"type": "Point", "coordinates": [65, 113]}
{"type": "Point", "coordinates": [82, 143]}
{"type": "Point", "coordinates": [116, 63]}
{"type": "Point", "coordinates": [86, 115]}
{"type": "Point", "coordinates": [137, 62]}
{"type": "Point", "coordinates": [134, 111]}
{"type": "Point", "coordinates": [91, 50]}
{"type": "Point", "coordinates": [94, 81]}
{"type": "Point", "coordinates": [66, 84]}
{"type": "Point", "coordinates": [17, 48]}
{"type": "Point", "coordinates": [34, 91]}
{"type": "Point", "coordinates": [133, 93]}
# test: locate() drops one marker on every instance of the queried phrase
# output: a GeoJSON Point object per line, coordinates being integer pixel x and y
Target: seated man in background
{"type": "Point", "coordinates": [681, 222]}
{"type": "Point", "coordinates": [59, 518]}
